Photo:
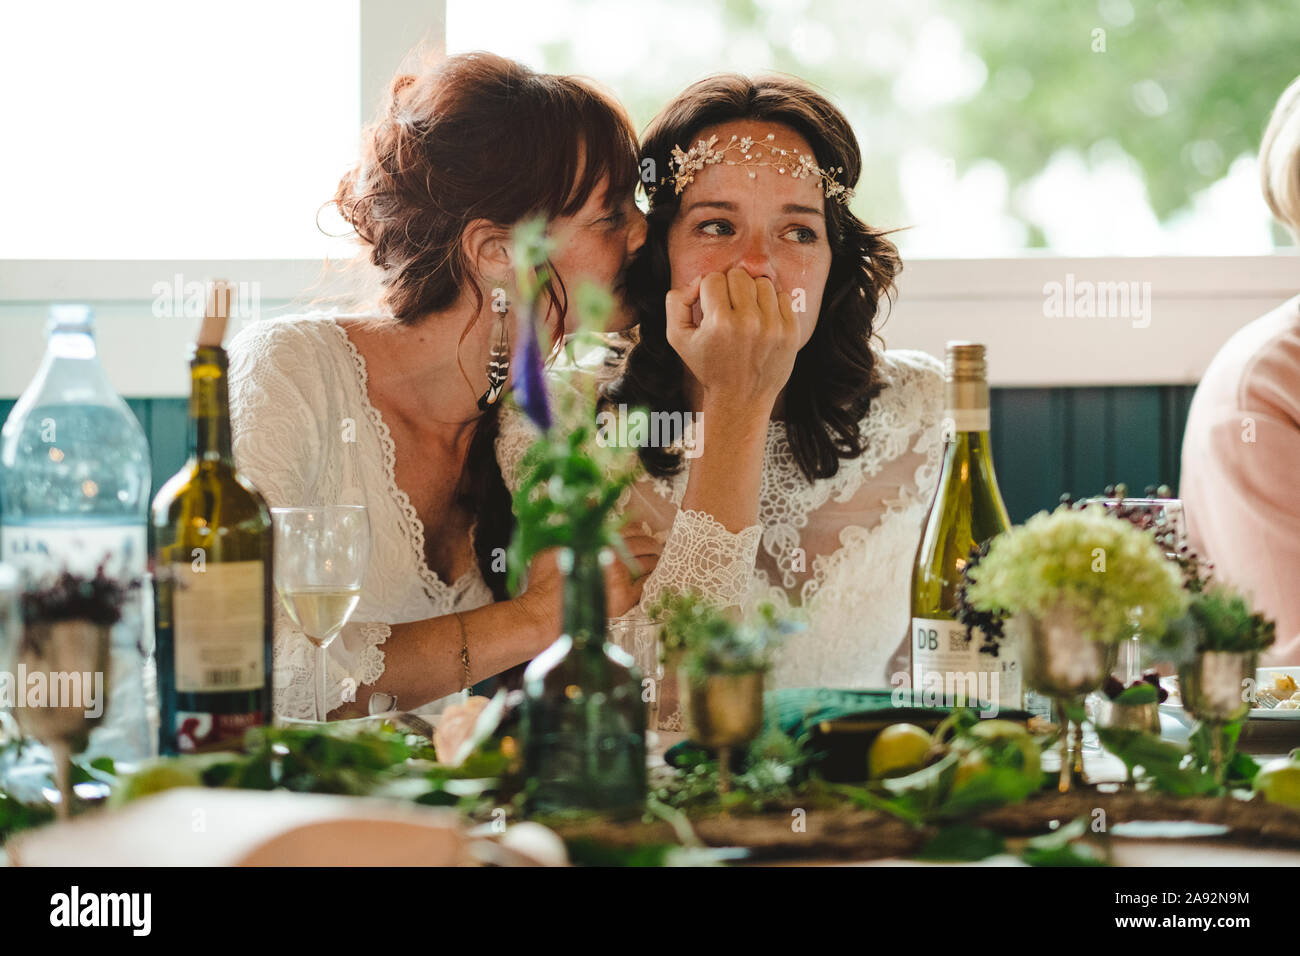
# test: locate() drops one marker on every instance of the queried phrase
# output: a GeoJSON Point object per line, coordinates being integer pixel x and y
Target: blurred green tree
{"type": "Point", "coordinates": [1182, 87]}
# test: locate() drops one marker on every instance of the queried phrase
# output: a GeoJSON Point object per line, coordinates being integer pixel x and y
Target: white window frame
{"type": "Point", "coordinates": [1195, 305]}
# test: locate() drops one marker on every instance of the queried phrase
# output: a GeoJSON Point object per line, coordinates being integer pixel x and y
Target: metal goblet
{"type": "Point", "coordinates": [1063, 660]}
{"type": "Point", "coordinates": [721, 712]}
{"type": "Point", "coordinates": [1216, 689]}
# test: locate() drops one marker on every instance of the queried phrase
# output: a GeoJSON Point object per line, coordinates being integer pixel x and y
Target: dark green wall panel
{"type": "Point", "coordinates": [1076, 441]}
{"type": "Point", "coordinates": [166, 432]}
{"type": "Point", "coordinates": [1089, 456]}
{"type": "Point", "coordinates": [1029, 447]}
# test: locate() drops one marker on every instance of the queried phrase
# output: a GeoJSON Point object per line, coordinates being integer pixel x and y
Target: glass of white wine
{"type": "Point", "coordinates": [320, 561]}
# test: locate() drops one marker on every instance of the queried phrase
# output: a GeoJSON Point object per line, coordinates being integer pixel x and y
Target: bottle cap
{"type": "Point", "coordinates": [71, 318]}
{"type": "Point", "coordinates": [966, 362]}
{"type": "Point", "coordinates": [213, 330]}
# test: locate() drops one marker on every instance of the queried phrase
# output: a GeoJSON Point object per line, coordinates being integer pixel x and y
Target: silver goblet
{"type": "Point", "coordinates": [1216, 689]}
{"type": "Point", "coordinates": [1062, 660]}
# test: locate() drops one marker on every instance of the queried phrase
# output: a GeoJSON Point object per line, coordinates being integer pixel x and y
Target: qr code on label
{"type": "Point", "coordinates": [958, 639]}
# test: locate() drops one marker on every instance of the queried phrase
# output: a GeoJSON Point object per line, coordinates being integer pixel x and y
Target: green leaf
{"type": "Point", "coordinates": [587, 852]}
{"type": "Point", "coordinates": [1082, 854]}
{"type": "Point", "coordinates": [1142, 693]}
{"type": "Point", "coordinates": [988, 788]}
{"type": "Point", "coordinates": [927, 787]}
{"type": "Point", "coordinates": [1160, 760]}
{"type": "Point", "coordinates": [1064, 846]}
{"type": "Point", "coordinates": [905, 806]}
{"type": "Point", "coordinates": [962, 843]}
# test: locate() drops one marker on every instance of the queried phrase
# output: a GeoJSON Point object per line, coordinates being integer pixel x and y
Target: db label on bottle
{"type": "Point", "coordinates": [948, 668]}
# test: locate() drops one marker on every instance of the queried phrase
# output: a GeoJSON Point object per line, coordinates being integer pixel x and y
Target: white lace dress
{"type": "Point", "coordinates": [305, 433]}
{"type": "Point", "coordinates": [836, 553]}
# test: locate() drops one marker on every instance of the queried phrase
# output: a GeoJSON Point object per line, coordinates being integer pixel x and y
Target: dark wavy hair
{"type": "Point", "coordinates": [477, 136]}
{"type": "Point", "coordinates": [835, 377]}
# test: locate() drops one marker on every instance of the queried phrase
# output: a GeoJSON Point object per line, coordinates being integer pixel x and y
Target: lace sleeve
{"type": "Point", "coordinates": [702, 555]}
{"type": "Point", "coordinates": [276, 439]}
{"type": "Point", "coordinates": [515, 435]}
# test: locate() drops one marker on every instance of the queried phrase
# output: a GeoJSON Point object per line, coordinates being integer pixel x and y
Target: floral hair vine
{"type": "Point", "coordinates": [686, 163]}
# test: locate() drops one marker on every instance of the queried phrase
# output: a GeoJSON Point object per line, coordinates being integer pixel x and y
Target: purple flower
{"type": "Point", "coordinates": [530, 381]}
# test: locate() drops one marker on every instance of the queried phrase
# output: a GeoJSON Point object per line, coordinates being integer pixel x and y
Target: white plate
{"type": "Point", "coordinates": [1264, 680]}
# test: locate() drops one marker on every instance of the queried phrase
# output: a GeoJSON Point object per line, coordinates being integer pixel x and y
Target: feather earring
{"type": "Point", "coordinates": [498, 366]}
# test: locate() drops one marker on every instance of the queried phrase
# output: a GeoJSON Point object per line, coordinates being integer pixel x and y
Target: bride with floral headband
{"type": "Point", "coordinates": [809, 453]}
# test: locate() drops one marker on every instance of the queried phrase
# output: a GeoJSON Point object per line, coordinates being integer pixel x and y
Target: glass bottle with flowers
{"type": "Point", "coordinates": [583, 717]}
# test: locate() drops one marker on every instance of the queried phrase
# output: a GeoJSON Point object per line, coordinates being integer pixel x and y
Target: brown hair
{"type": "Point", "coordinates": [477, 136]}
{"type": "Point", "coordinates": [834, 377]}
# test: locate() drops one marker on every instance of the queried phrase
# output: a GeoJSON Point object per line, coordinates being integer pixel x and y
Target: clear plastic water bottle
{"type": "Point", "coordinates": [74, 494]}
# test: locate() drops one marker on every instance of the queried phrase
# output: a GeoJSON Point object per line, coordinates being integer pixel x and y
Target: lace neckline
{"type": "Point", "coordinates": [436, 588]}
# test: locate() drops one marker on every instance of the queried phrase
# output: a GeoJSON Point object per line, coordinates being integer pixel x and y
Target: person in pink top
{"type": "Point", "coordinates": [1241, 450]}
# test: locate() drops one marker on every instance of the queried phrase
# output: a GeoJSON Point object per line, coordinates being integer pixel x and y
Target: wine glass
{"type": "Point", "coordinates": [640, 638]}
{"type": "Point", "coordinates": [320, 561]}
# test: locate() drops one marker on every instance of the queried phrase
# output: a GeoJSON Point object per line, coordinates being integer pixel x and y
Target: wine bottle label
{"type": "Point", "coordinates": [218, 622]}
{"type": "Point", "coordinates": [197, 732]}
{"type": "Point", "coordinates": [965, 420]}
{"type": "Point", "coordinates": [948, 667]}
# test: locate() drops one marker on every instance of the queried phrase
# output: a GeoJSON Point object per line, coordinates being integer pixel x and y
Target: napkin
{"type": "Point", "coordinates": [214, 827]}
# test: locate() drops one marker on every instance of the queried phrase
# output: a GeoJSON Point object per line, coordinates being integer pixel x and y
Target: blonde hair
{"type": "Point", "coordinates": [1279, 159]}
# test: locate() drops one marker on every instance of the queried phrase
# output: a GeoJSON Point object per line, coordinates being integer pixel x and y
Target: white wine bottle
{"type": "Point", "coordinates": [212, 573]}
{"type": "Point", "coordinates": [948, 666]}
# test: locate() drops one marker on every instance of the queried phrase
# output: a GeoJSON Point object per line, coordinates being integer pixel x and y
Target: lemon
{"type": "Point", "coordinates": [898, 749]}
{"type": "Point", "coordinates": [971, 765]}
{"type": "Point", "coordinates": [157, 777]}
{"type": "Point", "coordinates": [993, 729]}
{"type": "Point", "coordinates": [1279, 782]}
{"type": "Point", "coordinates": [998, 738]}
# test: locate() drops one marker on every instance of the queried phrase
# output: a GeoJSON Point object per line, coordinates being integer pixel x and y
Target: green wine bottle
{"type": "Point", "coordinates": [947, 665]}
{"type": "Point", "coordinates": [212, 573]}
{"type": "Point", "coordinates": [583, 719]}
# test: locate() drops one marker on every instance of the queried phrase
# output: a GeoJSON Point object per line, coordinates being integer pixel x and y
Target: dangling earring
{"type": "Point", "coordinates": [498, 367]}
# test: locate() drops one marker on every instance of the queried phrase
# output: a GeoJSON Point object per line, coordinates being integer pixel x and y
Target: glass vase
{"type": "Point", "coordinates": [583, 719]}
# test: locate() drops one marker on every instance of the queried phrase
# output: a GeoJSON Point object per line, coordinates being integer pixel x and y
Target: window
{"type": "Point", "coordinates": [1090, 128]}
{"type": "Point", "coordinates": [165, 130]}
